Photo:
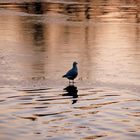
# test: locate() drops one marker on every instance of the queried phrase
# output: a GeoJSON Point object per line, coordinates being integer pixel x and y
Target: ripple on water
{"type": "Point", "coordinates": [97, 114]}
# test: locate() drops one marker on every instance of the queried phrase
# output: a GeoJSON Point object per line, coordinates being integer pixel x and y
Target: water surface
{"type": "Point", "coordinates": [39, 40]}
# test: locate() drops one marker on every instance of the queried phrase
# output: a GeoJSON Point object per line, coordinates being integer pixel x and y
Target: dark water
{"type": "Point", "coordinates": [39, 40]}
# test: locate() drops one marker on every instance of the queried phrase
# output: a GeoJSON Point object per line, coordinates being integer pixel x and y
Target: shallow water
{"type": "Point", "coordinates": [38, 43]}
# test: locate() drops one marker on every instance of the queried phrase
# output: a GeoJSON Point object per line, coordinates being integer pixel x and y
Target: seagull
{"type": "Point", "coordinates": [72, 73]}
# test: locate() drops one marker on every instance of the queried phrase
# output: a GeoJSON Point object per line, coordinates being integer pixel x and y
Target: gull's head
{"type": "Point", "coordinates": [75, 63]}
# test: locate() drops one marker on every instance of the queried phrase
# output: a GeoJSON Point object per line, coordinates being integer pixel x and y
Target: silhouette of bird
{"type": "Point", "coordinates": [71, 90]}
{"type": "Point", "coordinates": [72, 73]}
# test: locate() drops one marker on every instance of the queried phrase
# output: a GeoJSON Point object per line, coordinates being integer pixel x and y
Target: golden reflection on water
{"type": "Point", "coordinates": [38, 43]}
{"type": "Point", "coordinates": [105, 51]}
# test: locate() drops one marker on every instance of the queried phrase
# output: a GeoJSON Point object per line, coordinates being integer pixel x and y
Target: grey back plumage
{"type": "Point", "coordinates": [72, 73]}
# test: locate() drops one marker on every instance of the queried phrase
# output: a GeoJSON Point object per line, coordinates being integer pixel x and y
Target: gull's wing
{"type": "Point", "coordinates": [70, 73]}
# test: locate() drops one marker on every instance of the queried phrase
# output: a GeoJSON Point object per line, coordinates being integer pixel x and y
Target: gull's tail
{"type": "Point", "coordinates": [64, 76]}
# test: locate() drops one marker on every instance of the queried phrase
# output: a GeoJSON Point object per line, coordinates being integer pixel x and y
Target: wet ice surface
{"type": "Point", "coordinates": [39, 42]}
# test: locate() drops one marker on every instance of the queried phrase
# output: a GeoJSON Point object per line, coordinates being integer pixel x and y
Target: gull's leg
{"type": "Point", "coordinates": [70, 82]}
{"type": "Point", "coordinates": [73, 82]}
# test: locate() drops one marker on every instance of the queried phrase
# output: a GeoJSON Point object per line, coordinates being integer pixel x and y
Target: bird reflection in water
{"type": "Point", "coordinates": [71, 90]}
